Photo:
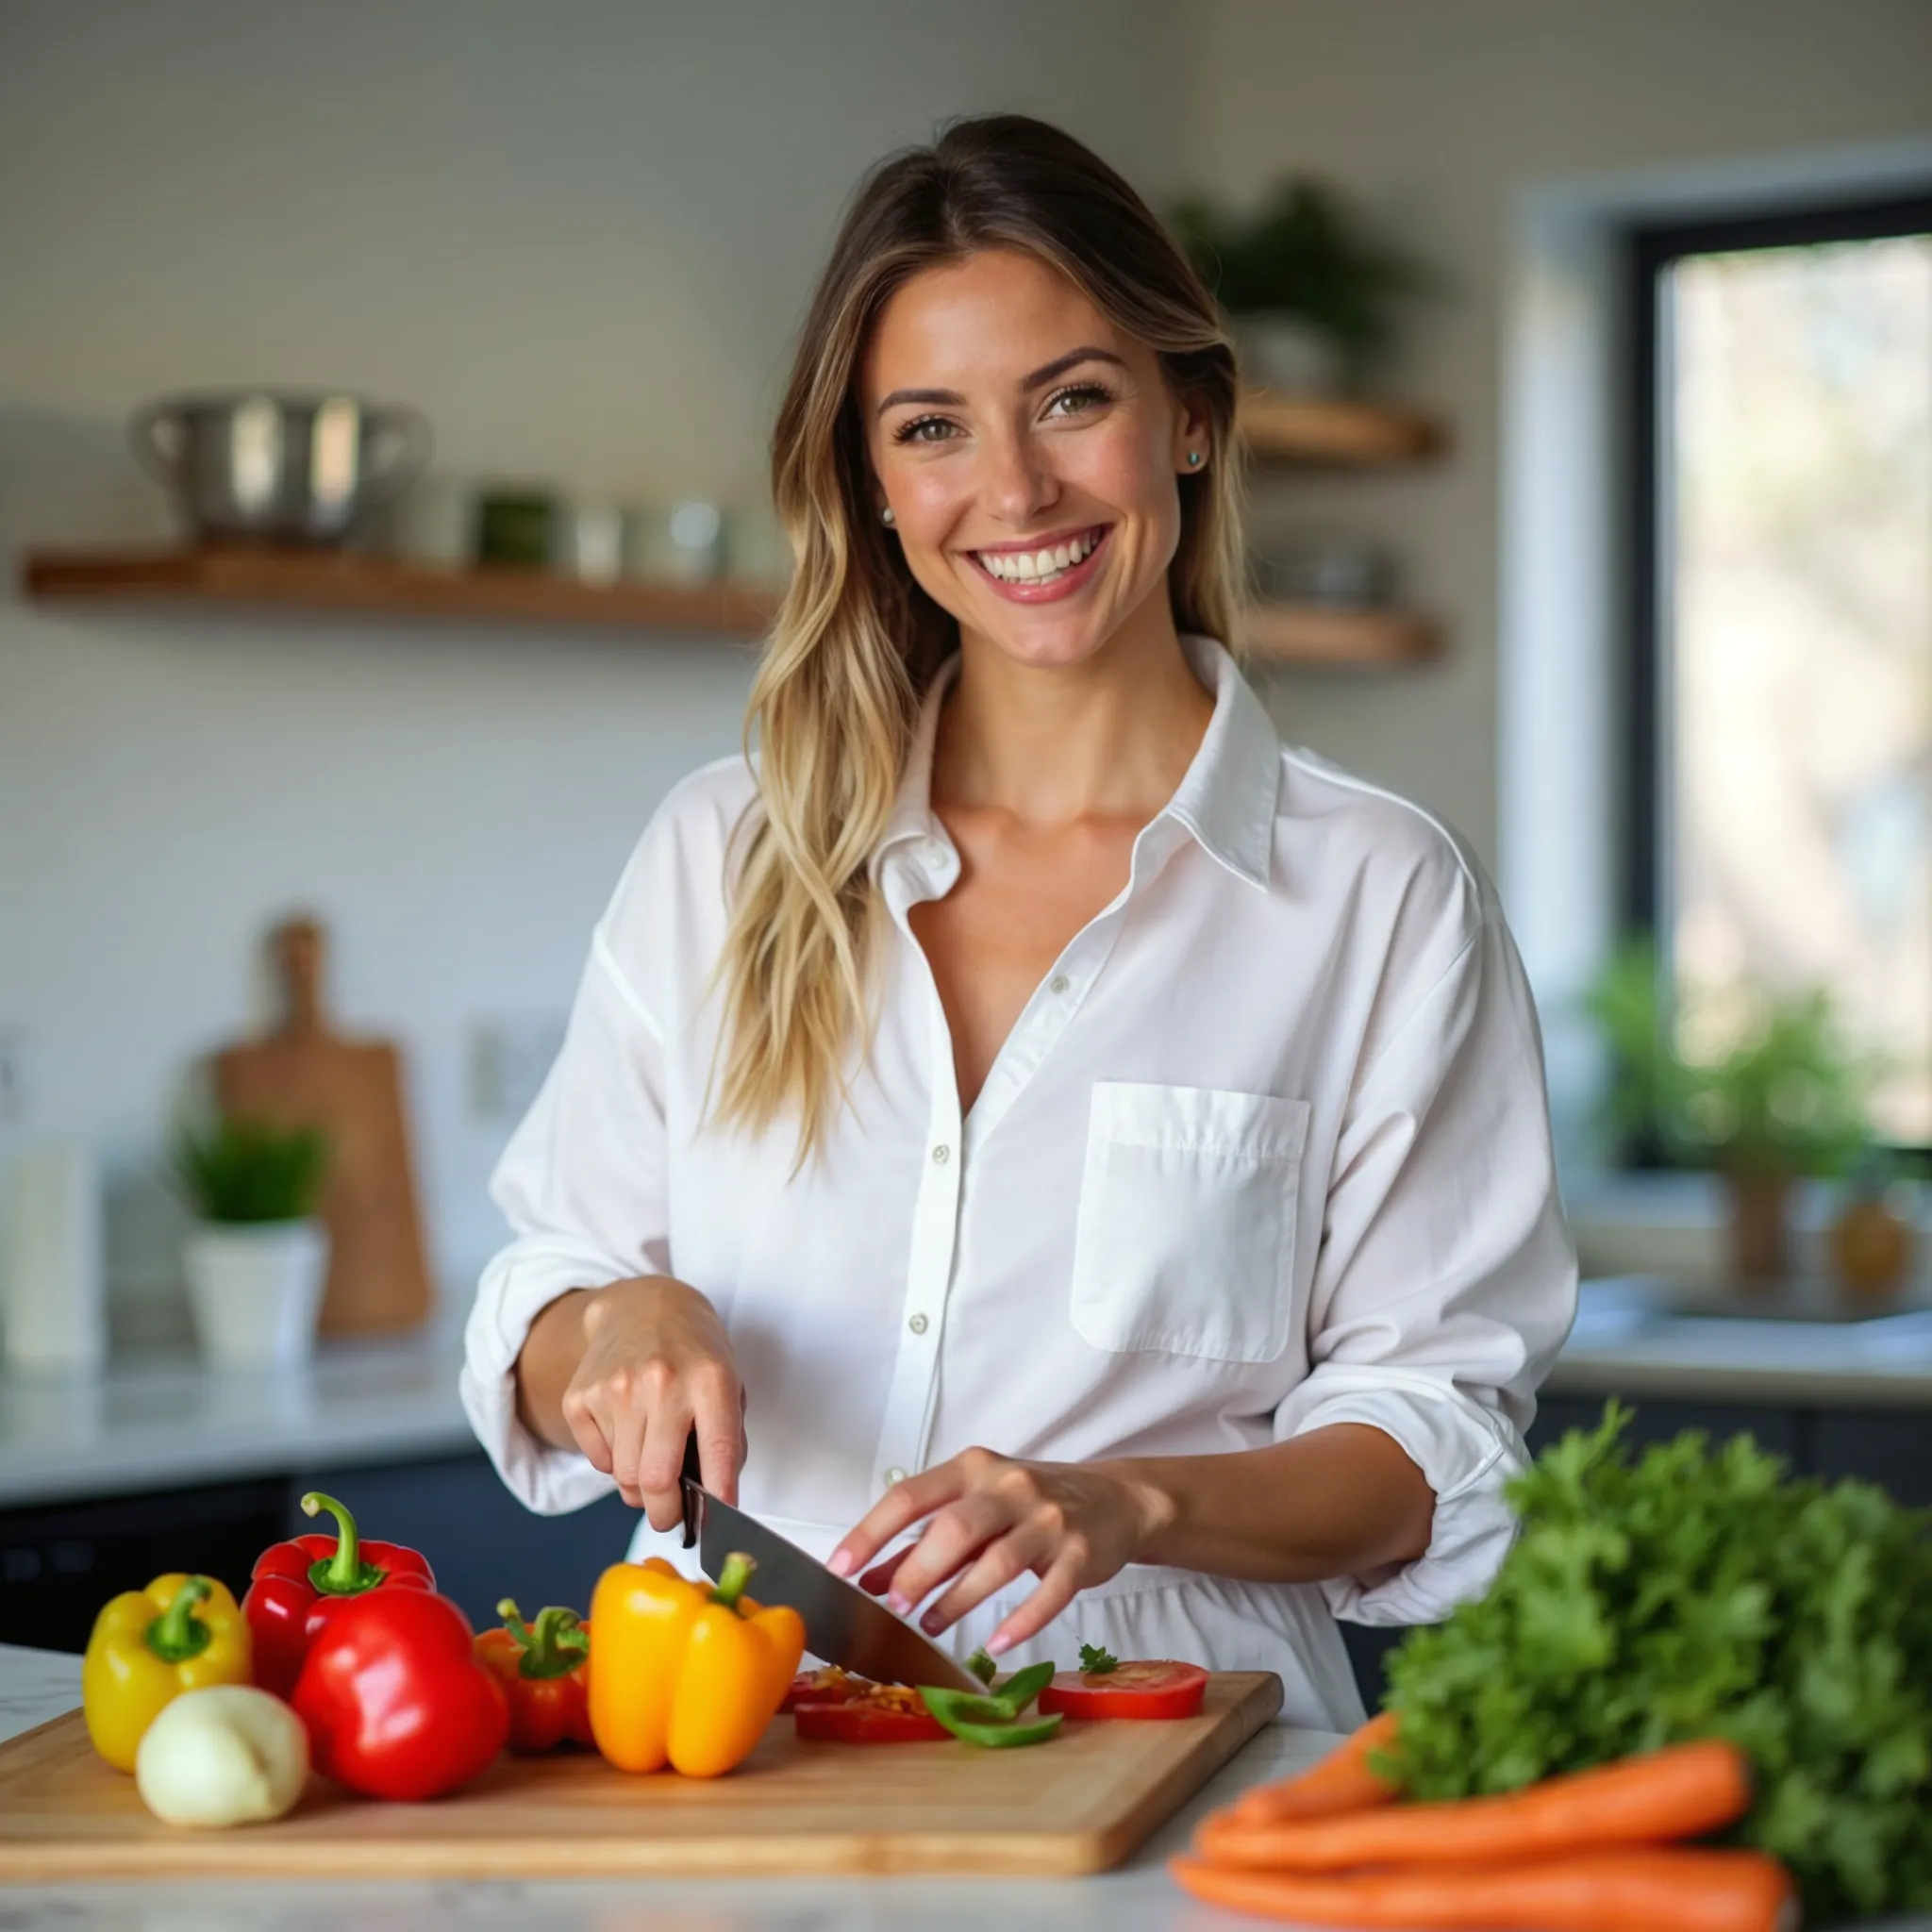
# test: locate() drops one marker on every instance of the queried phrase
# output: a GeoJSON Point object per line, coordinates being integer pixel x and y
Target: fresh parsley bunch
{"type": "Point", "coordinates": [1695, 1593]}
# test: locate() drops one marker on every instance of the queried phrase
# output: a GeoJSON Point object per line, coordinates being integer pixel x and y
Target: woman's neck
{"type": "Point", "coordinates": [1110, 737]}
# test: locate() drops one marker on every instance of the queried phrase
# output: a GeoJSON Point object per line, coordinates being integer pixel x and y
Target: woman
{"type": "Point", "coordinates": [1029, 1106]}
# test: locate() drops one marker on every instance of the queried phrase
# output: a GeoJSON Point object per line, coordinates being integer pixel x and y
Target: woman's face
{"type": "Point", "coordinates": [1028, 451]}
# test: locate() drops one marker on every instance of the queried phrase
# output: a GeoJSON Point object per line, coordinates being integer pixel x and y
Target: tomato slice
{"type": "Point", "coordinates": [1139, 1689]}
{"type": "Point", "coordinates": [862, 1722]}
{"type": "Point", "coordinates": [828, 1686]}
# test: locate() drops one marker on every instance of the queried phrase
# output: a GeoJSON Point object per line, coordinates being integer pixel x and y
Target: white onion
{"type": "Point", "coordinates": [229, 1755]}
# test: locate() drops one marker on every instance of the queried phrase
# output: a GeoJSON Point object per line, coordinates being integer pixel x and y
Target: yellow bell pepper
{"type": "Point", "coordinates": [685, 1675]}
{"type": "Point", "coordinates": [180, 1633]}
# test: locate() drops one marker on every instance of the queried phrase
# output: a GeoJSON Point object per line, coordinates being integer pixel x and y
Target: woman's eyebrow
{"type": "Point", "coordinates": [946, 398]}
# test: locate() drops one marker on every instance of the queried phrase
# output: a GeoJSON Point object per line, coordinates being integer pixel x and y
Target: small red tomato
{"type": "Point", "coordinates": [1137, 1689]}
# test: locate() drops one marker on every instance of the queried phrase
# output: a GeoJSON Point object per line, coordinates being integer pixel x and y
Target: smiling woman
{"type": "Point", "coordinates": [1041, 1113]}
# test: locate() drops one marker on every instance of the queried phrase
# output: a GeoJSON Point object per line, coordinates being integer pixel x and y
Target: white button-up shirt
{"type": "Point", "coordinates": [1268, 1149]}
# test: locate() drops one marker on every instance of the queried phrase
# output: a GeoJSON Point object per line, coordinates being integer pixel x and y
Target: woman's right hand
{"type": "Point", "coordinates": [655, 1366]}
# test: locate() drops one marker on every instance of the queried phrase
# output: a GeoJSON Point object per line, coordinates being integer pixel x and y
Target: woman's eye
{"type": "Point", "coordinates": [1075, 400]}
{"type": "Point", "coordinates": [923, 429]}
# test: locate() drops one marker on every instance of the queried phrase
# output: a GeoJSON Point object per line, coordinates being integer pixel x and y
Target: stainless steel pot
{"type": "Point", "coordinates": [259, 467]}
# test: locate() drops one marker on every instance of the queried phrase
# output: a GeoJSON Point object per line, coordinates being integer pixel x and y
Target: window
{"type": "Point", "coordinates": [1781, 684]}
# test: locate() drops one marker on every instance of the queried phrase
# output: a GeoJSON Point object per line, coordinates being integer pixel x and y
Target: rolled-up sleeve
{"type": "Point", "coordinates": [583, 1186]}
{"type": "Point", "coordinates": [1446, 1279]}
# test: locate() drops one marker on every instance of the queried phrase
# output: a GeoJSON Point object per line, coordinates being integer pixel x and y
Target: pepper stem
{"type": "Point", "coordinates": [732, 1579]}
{"type": "Point", "coordinates": [344, 1573]}
{"type": "Point", "coordinates": [553, 1646]}
{"type": "Point", "coordinates": [178, 1634]}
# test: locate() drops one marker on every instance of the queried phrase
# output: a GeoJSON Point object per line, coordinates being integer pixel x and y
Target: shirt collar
{"type": "Point", "coordinates": [1225, 799]}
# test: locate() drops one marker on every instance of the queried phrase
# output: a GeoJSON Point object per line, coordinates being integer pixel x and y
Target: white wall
{"type": "Point", "coordinates": [578, 235]}
{"type": "Point", "coordinates": [1442, 117]}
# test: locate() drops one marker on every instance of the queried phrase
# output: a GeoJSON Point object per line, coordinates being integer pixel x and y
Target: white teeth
{"type": "Point", "coordinates": [1038, 566]}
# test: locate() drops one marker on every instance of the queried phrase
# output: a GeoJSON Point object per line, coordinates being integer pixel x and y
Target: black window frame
{"type": "Point", "coordinates": [1649, 250]}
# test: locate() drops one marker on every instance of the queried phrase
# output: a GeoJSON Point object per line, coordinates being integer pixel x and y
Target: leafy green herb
{"type": "Point", "coordinates": [247, 1170]}
{"type": "Point", "coordinates": [1695, 1593]}
{"type": "Point", "coordinates": [1096, 1662]}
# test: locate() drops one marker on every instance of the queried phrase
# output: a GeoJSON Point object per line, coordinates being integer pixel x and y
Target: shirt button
{"type": "Point", "coordinates": [917, 1325]}
{"type": "Point", "coordinates": [941, 1154]}
{"type": "Point", "coordinates": [894, 1474]}
{"type": "Point", "coordinates": [1059, 983]}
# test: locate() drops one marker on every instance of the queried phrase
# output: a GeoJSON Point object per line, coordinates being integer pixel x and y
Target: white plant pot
{"type": "Point", "coordinates": [1282, 352]}
{"type": "Point", "coordinates": [254, 1290]}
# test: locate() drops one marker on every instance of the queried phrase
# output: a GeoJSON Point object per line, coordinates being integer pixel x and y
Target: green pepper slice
{"type": "Point", "coordinates": [990, 1722]}
{"type": "Point", "coordinates": [1021, 1689]}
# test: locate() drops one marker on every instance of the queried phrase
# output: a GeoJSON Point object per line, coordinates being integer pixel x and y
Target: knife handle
{"type": "Point", "coordinates": [693, 1475]}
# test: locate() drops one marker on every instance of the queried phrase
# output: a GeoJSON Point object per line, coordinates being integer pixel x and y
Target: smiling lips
{"type": "Point", "coordinates": [1048, 571]}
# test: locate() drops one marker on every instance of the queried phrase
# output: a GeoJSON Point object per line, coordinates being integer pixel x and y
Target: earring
{"type": "Point", "coordinates": [1194, 460]}
{"type": "Point", "coordinates": [886, 515]}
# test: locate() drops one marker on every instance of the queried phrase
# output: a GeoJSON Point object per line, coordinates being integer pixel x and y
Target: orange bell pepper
{"type": "Point", "coordinates": [684, 1675]}
{"type": "Point", "coordinates": [544, 1668]}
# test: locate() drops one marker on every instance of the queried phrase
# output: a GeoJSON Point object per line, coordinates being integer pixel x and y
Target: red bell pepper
{"type": "Point", "coordinates": [298, 1585]}
{"type": "Point", "coordinates": [541, 1666]}
{"type": "Point", "coordinates": [395, 1703]}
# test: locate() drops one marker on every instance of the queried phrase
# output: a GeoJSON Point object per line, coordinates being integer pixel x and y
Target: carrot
{"type": "Point", "coordinates": [1342, 1781]}
{"type": "Point", "coordinates": [1651, 1891]}
{"type": "Point", "coordinates": [1680, 1791]}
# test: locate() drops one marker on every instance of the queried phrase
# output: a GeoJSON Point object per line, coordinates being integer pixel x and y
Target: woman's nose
{"type": "Point", "coordinates": [1018, 485]}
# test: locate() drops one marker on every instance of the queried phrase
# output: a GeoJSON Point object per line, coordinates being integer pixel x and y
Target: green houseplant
{"type": "Point", "coordinates": [257, 1260]}
{"type": "Point", "coordinates": [1781, 1093]}
{"type": "Point", "coordinates": [1304, 262]}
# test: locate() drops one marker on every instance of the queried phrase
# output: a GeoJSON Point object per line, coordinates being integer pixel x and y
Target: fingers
{"type": "Point", "coordinates": [951, 1541]}
{"type": "Point", "coordinates": [878, 1579]}
{"type": "Point", "coordinates": [1057, 1588]}
{"type": "Point", "coordinates": [996, 1566]}
{"type": "Point", "coordinates": [717, 1419]}
{"type": "Point", "coordinates": [660, 1464]}
{"type": "Point", "coordinates": [586, 1429]}
{"type": "Point", "coordinates": [903, 1504]}
{"type": "Point", "coordinates": [627, 1428]}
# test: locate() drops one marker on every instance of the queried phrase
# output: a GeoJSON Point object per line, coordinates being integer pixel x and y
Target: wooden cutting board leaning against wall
{"type": "Point", "coordinates": [304, 1074]}
{"type": "Point", "coordinates": [1082, 1802]}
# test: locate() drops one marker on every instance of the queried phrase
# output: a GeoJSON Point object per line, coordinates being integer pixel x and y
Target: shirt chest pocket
{"type": "Point", "coordinates": [1186, 1235]}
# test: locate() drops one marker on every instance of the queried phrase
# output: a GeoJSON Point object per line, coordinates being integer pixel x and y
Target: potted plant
{"type": "Point", "coordinates": [1776, 1092]}
{"type": "Point", "coordinates": [258, 1260]}
{"type": "Point", "coordinates": [1313, 291]}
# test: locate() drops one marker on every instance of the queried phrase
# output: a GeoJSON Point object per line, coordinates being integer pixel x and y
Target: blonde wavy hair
{"type": "Point", "coordinates": [856, 642]}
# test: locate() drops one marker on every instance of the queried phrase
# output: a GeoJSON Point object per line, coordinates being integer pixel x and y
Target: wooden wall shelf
{"type": "Point", "coordinates": [312, 581]}
{"type": "Point", "coordinates": [1333, 430]}
{"type": "Point", "coordinates": [1319, 635]}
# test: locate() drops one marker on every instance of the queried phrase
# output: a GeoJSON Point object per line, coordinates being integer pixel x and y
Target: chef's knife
{"type": "Point", "coordinates": [842, 1624]}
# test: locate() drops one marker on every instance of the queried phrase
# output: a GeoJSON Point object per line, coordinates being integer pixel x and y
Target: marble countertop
{"type": "Point", "coordinates": [1637, 1336]}
{"type": "Point", "coordinates": [1137, 1897]}
{"type": "Point", "coordinates": [168, 1421]}
{"type": "Point", "coordinates": [161, 1423]}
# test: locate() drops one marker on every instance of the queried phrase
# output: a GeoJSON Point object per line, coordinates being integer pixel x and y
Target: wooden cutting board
{"type": "Point", "coordinates": [305, 1074]}
{"type": "Point", "coordinates": [1080, 1803]}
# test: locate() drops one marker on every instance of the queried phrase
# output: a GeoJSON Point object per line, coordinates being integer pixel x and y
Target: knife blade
{"type": "Point", "coordinates": [842, 1624]}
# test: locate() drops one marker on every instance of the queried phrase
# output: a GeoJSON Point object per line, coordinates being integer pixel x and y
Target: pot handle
{"type": "Point", "coordinates": [405, 436]}
{"type": "Point", "coordinates": [155, 434]}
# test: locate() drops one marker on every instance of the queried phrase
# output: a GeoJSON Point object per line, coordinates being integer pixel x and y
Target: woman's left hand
{"type": "Point", "coordinates": [989, 1519]}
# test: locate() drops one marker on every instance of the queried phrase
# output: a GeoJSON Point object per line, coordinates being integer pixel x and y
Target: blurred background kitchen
{"type": "Point", "coordinates": [383, 404]}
